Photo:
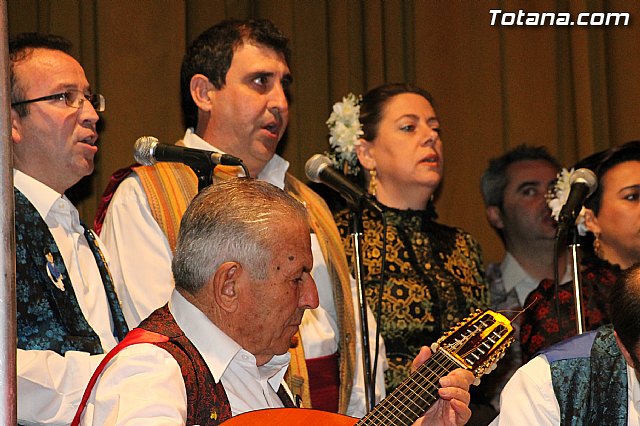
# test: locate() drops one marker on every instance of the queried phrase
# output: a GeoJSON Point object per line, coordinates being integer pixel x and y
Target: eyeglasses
{"type": "Point", "coordinates": [73, 98]}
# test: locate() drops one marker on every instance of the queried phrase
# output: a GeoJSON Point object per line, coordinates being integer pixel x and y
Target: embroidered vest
{"type": "Point", "coordinates": [169, 187]}
{"type": "Point", "coordinates": [164, 183]}
{"type": "Point", "coordinates": [589, 378]}
{"type": "Point", "coordinates": [207, 402]}
{"type": "Point", "coordinates": [48, 313]}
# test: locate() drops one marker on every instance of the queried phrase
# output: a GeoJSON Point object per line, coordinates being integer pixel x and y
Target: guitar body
{"type": "Point", "coordinates": [290, 417]}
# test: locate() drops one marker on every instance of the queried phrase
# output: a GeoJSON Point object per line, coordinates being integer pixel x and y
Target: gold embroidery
{"type": "Point", "coordinates": [433, 280]}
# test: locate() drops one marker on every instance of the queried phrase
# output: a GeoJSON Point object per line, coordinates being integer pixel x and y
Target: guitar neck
{"type": "Point", "coordinates": [414, 396]}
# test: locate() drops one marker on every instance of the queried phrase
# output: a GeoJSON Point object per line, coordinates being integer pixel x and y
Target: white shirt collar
{"type": "Point", "coordinates": [274, 171]}
{"type": "Point", "coordinates": [514, 276]}
{"type": "Point", "coordinates": [40, 195]}
{"type": "Point", "coordinates": [218, 349]}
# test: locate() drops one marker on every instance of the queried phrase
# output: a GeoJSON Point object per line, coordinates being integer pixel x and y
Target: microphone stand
{"type": "Point", "coordinates": [357, 227]}
{"type": "Point", "coordinates": [205, 177]}
{"type": "Point", "coordinates": [318, 169]}
{"type": "Point", "coordinates": [574, 252]}
{"type": "Point", "coordinates": [204, 173]}
{"type": "Point", "coordinates": [577, 278]}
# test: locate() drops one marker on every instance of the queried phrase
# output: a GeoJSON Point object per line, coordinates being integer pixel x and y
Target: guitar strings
{"type": "Point", "coordinates": [519, 312]}
{"type": "Point", "coordinates": [396, 408]}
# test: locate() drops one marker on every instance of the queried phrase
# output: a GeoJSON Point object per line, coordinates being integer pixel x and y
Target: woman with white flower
{"type": "Point", "coordinates": [612, 218]}
{"type": "Point", "coordinates": [434, 273]}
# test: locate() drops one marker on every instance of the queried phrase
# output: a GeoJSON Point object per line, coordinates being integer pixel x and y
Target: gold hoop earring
{"type": "Point", "coordinates": [597, 247]}
{"type": "Point", "coordinates": [373, 182]}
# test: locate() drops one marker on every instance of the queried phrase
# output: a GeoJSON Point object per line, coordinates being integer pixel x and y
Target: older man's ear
{"type": "Point", "coordinates": [226, 286]}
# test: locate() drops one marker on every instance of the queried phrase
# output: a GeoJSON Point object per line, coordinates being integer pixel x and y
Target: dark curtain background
{"type": "Point", "coordinates": [572, 89]}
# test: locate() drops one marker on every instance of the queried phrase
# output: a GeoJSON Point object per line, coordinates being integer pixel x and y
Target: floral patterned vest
{"type": "Point", "coordinates": [48, 313]}
{"type": "Point", "coordinates": [589, 378]}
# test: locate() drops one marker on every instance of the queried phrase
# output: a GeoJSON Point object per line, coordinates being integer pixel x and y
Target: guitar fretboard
{"type": "Point", "coordinates": [414, 396]}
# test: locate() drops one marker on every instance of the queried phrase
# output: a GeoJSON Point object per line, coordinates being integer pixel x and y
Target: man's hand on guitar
{"type": "Point", "coordinates": [452, 409]}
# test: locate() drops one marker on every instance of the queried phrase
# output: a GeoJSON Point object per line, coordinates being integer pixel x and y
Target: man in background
{"type": "Point", "coordinates": [514, 188]}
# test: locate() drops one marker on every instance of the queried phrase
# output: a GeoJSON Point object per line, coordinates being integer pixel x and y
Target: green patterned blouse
{"type": "Point", "coordinates": [434, 279]}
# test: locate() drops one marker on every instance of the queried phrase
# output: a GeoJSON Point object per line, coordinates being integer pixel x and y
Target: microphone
{"type": "Point", "coordinates": [149, 151]}
{"type": "Point", "coordinates": [318, 169]}
{"type": "Point", "coordinates": [583, 183]}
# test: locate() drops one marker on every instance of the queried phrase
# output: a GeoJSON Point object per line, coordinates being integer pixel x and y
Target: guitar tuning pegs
{"type": "Point", "coordinates": [476, 382]}
{"type": "Point", "coordinates": [434, 347]}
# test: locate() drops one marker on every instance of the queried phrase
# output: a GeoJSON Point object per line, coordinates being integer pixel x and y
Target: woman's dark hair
{"type": "Point", "coordinates": [624, 309]}
{"type": "Point", "coordinates": [601, 162]}
{"type": "Point", "coordinates": [374, 101]}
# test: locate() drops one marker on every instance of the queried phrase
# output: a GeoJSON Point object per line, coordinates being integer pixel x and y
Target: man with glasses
{"type": "Point", "coordinates": [71, 97]}
{"type": "Point", "coordinates": [68, 314]}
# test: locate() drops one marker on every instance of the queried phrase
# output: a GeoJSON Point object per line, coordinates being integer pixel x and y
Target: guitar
{"type": "Point", "coordinates": [475, 344]}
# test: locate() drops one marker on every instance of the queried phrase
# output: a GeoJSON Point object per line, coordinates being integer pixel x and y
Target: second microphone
{"type": "Point", "coordinates": [149, 151]}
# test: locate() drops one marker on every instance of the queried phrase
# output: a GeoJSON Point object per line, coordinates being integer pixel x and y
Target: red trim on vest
{"type": "Point", "coordinates": [114, 181]}
{"type": "Point", "coordinates": [137, 335]}
{"type": "Point", "coordinates": [324, 383]}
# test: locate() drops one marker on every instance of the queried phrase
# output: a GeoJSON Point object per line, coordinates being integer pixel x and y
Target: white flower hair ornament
{"type": "Point", "coordinates": [345, 130]}
{"type": "Point", "coordinates": [557, 198]}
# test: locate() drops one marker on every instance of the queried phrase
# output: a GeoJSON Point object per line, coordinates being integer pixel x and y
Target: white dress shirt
{"type": "Point", "coordinates": [529, 399]}
{"type": "Point", "coordinates": [50, 385]}
{"type": "Point", "coordinates": [143, 384]}
{"type": "Point", "coordinates": [509, 285]}
{"type": "Point", "coordinates": [135, 239]}
{"type": "Point", "coordinates": [515, 277]}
